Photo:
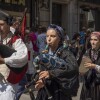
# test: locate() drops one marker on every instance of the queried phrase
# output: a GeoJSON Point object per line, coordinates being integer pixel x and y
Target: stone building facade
{"type": "Point", "coordinates": [72, 15]}
{"type": "Point", "coordinates": [60, 12]}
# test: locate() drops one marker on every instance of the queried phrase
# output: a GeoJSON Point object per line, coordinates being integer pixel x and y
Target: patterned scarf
{"type": "Point", "coordinates": [94, 54]}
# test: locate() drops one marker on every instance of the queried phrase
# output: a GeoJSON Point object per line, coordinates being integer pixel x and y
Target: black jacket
{"type": "Point", "coordinates": [63, 82]}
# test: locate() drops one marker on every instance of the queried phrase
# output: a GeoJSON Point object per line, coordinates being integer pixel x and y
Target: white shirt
{"type": "Point", "coordinates": [19, 58]}
{"type": "Point", "coordinates": [12, 29]}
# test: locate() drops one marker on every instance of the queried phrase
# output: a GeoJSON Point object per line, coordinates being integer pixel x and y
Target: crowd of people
{"type": "Point", "coordinates": [56, 56]}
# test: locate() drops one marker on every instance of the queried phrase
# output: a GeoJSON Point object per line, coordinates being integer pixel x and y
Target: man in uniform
{"type": "Point", "coordinates": [11, 74]}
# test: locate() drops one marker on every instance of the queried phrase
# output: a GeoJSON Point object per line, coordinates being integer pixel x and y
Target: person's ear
{"type": "Point", "coordinates": [10, 20]}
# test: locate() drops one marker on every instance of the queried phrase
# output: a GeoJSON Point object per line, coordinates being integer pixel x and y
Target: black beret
{"type": "Point", "coordinates": [4, 16]}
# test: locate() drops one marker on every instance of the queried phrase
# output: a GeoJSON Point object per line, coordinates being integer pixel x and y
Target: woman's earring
{"type": "Point", "coordinates": [64, 44]}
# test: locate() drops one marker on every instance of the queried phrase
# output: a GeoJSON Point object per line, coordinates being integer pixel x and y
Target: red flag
{"type": "Point", "coordinates": [23, 25]}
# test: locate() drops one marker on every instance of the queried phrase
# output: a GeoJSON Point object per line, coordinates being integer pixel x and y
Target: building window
{"type": "Point", "coordinates": [56, 13]}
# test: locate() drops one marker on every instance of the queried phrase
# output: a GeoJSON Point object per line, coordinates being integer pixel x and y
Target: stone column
{"type": "Point", "coordinates": [73, 17]}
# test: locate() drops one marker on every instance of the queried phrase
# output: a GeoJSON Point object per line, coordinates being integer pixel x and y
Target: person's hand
{"type": "Point", "coordinates": [44, 74]}
{"type": "Point", "coordinates": [81, 73]}
{"type": "Point", "coordinates": [39, 84]}
{"type": "Point", "coordinates": [1, 60]}
{"type": "Point", "coordinates": [90, 65]}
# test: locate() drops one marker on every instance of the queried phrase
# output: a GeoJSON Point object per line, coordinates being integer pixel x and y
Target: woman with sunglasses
{"type": "Point", "coordinates": [59, 74]}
